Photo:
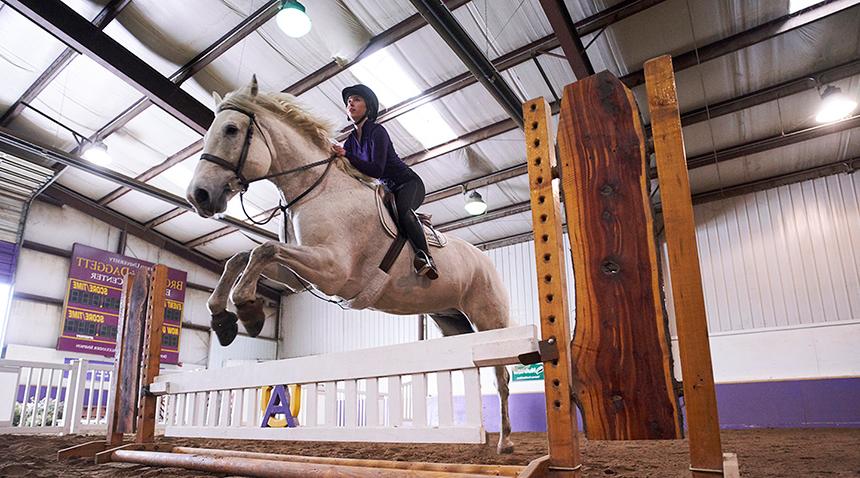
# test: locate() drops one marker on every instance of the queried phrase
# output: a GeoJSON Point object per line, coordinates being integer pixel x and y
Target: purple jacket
{"type": "Point", "coordinates": [374, 155]}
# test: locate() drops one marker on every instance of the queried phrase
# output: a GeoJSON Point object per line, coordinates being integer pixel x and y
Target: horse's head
{"type": "Point", "coordinates": [253, 135]}
{"type": "Point", "coordinates": [236, 150]}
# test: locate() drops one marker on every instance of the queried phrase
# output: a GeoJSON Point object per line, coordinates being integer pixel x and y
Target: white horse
{"type": "Point", "coordinates": [336, 239]}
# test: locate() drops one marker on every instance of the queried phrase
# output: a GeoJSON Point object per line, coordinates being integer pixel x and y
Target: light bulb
{"type": "Point", "coordinates": [97, 154]}
{"type": "Point", "coordinates": [835, 105]}
{"type": "Point", "coordinates": [475, 204]}
{"type": "Point", "coordinates": [293, 20]}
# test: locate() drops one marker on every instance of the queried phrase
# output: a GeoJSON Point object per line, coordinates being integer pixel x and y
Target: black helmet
{"type": "Point", "coordinates": [369, 99]}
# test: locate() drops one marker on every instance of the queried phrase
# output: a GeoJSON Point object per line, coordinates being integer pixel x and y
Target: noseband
{"type": "Point", "coordinates": [236, 169]}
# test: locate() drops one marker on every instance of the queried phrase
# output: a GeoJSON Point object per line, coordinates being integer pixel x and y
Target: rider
{"type": "Point", "coordinates": [370, 150]}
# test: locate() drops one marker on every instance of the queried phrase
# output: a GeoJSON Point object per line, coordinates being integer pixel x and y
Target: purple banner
{"type": "Point", "coordinates": [91, 311]}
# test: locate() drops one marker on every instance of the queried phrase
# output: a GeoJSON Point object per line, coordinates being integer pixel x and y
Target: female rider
{"type": "Point", "coordinates": [370, 150]}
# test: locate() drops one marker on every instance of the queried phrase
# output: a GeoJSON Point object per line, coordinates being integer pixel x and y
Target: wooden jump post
{"type": "Point", "coordinates": [603, 175]}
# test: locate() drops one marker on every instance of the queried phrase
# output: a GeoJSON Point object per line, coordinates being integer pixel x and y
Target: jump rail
{"type": "Point", "coordinates": [222, 403]}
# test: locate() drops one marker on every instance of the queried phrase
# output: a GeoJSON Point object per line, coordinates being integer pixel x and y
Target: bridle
{"type": "Point", "coordinates": [244, 182]}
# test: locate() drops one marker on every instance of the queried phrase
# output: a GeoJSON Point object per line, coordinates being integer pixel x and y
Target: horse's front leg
{"type": "Point", "coordinates": [314, 264]}
{"type": "Point", "coordinates": [223, 321]}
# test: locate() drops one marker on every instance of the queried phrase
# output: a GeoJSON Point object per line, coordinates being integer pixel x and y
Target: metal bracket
{"type": "Point", "coordinates": [547, 351]}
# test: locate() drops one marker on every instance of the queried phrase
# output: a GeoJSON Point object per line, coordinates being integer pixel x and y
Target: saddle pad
{"type": "Point", "coordinates": [434, 237]}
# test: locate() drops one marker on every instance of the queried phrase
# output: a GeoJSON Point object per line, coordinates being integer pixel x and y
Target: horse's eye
{"type": "Point", "coordinates": [231, 130]}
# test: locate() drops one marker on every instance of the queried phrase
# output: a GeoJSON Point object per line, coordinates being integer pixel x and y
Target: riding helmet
{"type": "Point", "coordinates": [369, 99]}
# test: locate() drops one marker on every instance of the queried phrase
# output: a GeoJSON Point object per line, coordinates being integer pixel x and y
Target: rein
{"type": "Point", "coordinates": [245, 182]}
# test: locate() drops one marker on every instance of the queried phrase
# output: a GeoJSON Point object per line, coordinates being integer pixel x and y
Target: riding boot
{"type": "Point", "coordinates": [424, 265]}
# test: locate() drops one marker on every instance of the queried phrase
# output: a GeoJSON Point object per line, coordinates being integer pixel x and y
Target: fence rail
{"type": "Point", "coordinates": [55, 398]}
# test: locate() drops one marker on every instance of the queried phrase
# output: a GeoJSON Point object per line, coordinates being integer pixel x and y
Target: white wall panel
{"type": "Point", "coordinates": [783, 257]}
{"type": "Point", "coordinates": [243, 348]}
{"type": "Point", "coordinates": [193, 348]}
{"type": "Point", "coordinates": [42, 274]}
{"type": "Point", "coordinates": [34, 323]}
{"type": "Point", "coordinates": [310, 326]}
{"type": "Point", "coordinates": [63, 226]}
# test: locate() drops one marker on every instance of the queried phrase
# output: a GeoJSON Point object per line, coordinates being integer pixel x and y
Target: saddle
{"type": "Point", "coordinates": [387, 207]}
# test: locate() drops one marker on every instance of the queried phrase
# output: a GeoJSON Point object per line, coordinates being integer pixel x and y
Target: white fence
{"type": "Point", "coordinates": [58, 398]}
{"type": "Point", "coordinates": [378, 394]}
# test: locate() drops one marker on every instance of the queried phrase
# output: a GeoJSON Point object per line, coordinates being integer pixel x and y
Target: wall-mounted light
{"type": "Point", "coordinates": [835, 105]}
{"type": "Point", "coordinates": [475, 204]}
{"type": "Point", "coordinates": [293, 19]}
{"type": "Point", "coordinates": [97, 154]}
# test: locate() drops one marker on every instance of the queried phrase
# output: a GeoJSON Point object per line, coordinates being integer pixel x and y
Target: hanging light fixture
{"type": "Point", "coordinates": [475, 204]}
{"type": "Point", "coordinates": [97, 154]}
{"type": "Point", "coordinates": [835, 105]}
{"type": "Point", "coordinates": [293, 19]}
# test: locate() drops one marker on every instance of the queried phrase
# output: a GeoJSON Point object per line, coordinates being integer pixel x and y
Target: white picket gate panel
{"type": "Point", "coordinates": [56, 398]}
{"type": "Point", "coordinates": [378, 394]}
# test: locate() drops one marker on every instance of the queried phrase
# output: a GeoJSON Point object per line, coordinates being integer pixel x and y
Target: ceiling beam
{"type": "Point", "coordinates": [492, 215]}
{"type": "Point", "coordinates": [105, 16]}
{"type": "Point", "coordinates": [462, 187]}
{"type": "Point", "coordinates": [559, 18]}
{"type": "Point", "coordinates": [154, 171]}
{"type": "Point", "coordinates": [586, 26]}
{"type": "Point", "coordinates": [254, 21]}
{"type": "Point", "coordinates": [238, 33]}
{"type": "Point", "coordinates": [773, 142]}
{"type": "Point", "coordinates": [771, 93]}
{"type": "Point", "coordinates": [847, 166]}
{"type": "Point", "coordinates": [741, 40]}
{"type": "Point", "coordinates": [692, 163]}
{"type": "Point", "coordinates": [384, 39]}
{"type": "Point", "coordinates": [747, 38]}
{"type": "Point", "coordinates": [442, 20]}
{"type": "Point", "coordinates": [513, 58]}
{"type": "Point", "coordinates": [22, 148]}
{"type": "Point", "coordinates": [58, 19]}
{"type": "Point", "coordinates": [731, 105]}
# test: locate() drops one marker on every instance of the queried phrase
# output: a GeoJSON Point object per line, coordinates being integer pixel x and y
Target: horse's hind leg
{"type": "Point", "coordinates": [223, 321]}
{"type": "Point", "coordinates": [487, 307]}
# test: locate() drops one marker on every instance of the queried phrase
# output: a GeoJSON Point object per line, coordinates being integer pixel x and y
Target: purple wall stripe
{"type": "Point", "coordinates": [784, 404]}
{"type": "Point", "coordinates": [8, 257]}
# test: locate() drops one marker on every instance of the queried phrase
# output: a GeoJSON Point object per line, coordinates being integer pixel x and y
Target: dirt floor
{"type": "Point", "coordinates": [762, 453]}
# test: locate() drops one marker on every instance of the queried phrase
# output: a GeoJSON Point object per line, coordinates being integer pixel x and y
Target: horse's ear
{"type": "Point", "coordinates": [217, 98]}
{"type": "Point", "coordinates": [254, 87]}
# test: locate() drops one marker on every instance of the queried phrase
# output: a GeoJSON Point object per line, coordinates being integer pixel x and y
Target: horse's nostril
{"type": "Point", "coordinates": [201, 197]}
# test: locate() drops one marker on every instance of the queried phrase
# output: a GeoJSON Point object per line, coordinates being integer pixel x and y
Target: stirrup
{"type": "Point", "coordinates": [424, 265]}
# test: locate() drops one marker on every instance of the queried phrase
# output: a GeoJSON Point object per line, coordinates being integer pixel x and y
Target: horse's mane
{"type": "Point", "coordinates": [288, 108]}
{"type": "Point", "coordinates": [292, 111]}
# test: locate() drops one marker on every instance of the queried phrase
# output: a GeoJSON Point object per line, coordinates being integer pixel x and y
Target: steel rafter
{"type": "Point", "coordinates": [105, 16]}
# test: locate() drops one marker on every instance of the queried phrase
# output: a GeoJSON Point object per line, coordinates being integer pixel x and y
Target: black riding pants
{"type": "Point", "coordinates": [409, 195]}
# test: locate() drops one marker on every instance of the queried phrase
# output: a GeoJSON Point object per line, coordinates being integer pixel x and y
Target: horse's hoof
{"type": "Point", "coordinates": [505, 448]}
{"type": "Point", "coordinates": [252, 316]}
{"type": "Point", "coordinates": [225, 327]}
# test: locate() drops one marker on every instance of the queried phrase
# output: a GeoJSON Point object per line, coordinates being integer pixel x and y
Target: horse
{"type": "Point", "coordinates": [336, 239]}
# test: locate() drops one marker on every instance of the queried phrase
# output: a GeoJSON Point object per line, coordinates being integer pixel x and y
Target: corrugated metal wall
{"type": "Point", "coordinates": [782, 257]}
{"type": "Point", "coordinates": [310, 326]}
{"type": "Point", "coordinates": [779, 258]}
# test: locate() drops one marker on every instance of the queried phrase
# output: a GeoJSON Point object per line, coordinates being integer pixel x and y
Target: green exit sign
{"type": "Point", "coordinates": [523, 373]}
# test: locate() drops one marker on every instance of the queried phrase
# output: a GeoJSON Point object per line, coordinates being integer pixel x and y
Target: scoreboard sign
{"type": "Point", "coordinates": [91, 310]}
